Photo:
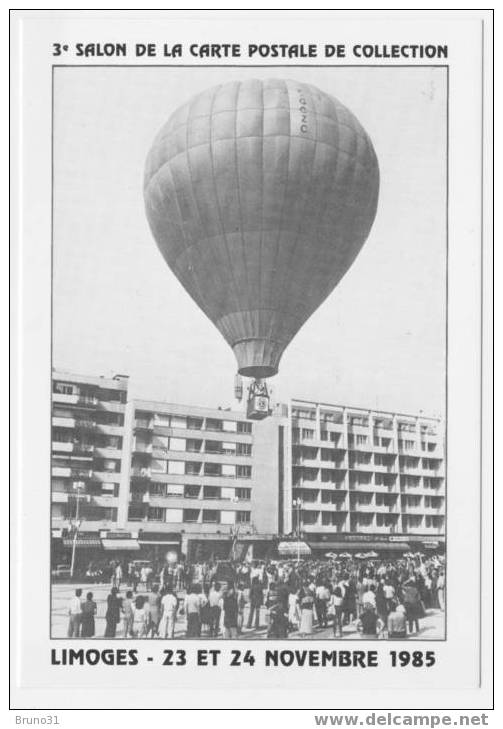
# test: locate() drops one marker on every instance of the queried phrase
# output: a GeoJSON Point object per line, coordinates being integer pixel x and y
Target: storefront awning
{"type": "Point", "coordinates": [82, 542]}
{"type": "Point", "coordinates": [161, 542]}
{"type": "Point", "coordinates": [362, 546]}
{"type": "Point", "coordinates": [293, 549]}
{"type": "Point", "coordinates": [130, 545]}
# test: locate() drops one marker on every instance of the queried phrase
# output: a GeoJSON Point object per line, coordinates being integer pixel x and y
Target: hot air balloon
{"type": "Point", "coordinates": [260, 194]}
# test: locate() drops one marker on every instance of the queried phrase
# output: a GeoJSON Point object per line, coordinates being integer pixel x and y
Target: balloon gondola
{"type": "Point", "coordinates": [260, 194]}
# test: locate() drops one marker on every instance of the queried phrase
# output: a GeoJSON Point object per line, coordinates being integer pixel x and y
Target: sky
{"type": "Point", "coordinates": [378, 341]}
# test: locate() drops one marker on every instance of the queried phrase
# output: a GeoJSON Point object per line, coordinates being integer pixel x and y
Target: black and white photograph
{"type": "Point", "coordinates": [251, 259]}
{"type": "Point", "coordinates": [249, 359]}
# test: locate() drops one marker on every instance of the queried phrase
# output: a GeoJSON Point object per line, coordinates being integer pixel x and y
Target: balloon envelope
{"type": "Point", "coordinates": [260, 195]}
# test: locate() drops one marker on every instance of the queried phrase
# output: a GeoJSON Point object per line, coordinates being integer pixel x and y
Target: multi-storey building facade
{"type": "Point", "coordinates": [146, 476]}
{"type": "Point", "coordinates": [361, 476]}
{"type": "Point", "coordinates": [87, 448]}
{"type": "Point", "coordinates": [199, 476]}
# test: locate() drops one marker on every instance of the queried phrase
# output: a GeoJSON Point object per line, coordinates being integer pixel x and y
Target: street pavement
{"type": "Point", "coordinates": [431, 626]}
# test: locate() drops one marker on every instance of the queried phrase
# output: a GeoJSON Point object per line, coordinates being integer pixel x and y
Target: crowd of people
{"type": "Point", "coordinates": [379, 598]}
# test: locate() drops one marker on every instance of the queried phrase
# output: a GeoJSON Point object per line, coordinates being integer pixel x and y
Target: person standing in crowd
{"type": "Point", "coordinates": [306, 604]}
{"type": "Point", "coordinates": [127, 620]}
{"type": "Point", "coordinates": [412, 604]}
{"type": "Point", "coordinates": [335, 604]}
{"type": "Point", "coordinates": [154, 605]}
{"type": "Point", "coordinates": [75, 614]}
{"type": "Point", "coordinates": [89, 610]}
{"type": "Point", "coordinates": [141, 617]}
{"type": "Point", "coordinates": [231, 613]}
{"type": "Point", "coordinates": [169, 609]}
{"type": "Point", "coordinates": [322, 596]}
{"type": "Point", "coordinates": [397, 624]}
{"type": "Point", "coordinates": [113, 613]}
{"type": "Point", "coordinates": [369, 624]}
{"type": "Point", "coordinates": [193, 604]}
{"type": "Point", "coordinates": [256, 602]}
{"type": "Point", "coordinates": [215, 609]}
{"type": "Point", "coordinates": [369, 597]}
{"type": "Point", "coordinates": [117, 576]}
{"type": "Point", "coordinates": [293, 609]}
{"type": "Point", "coordinates": [240, 596]}
{"type": "Point", "coordinates": [441, 590]}
{"type": "Point", "coordinates": [349, 601]}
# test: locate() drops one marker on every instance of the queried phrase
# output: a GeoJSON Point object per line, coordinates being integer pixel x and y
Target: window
{"type": "Point", "coordinates": [192, 468]}
{"type": "Point", "coordinates": [177, 467]}
{"type": "Point", "coordinates": [194, 423]}
{"type": "Point", "coordinates": [175, 489]}
{"type": "Point", "coordinates": [212, 424]}
{"type": "Point", "coordinates": [155, 513]}
{"type": "Point", "coordinates": [158, 489]}
{"type": "Point", "coordinates": [160, 443]}
{"type": "Point", "coordinates": [178, 421]}
{"type": "Point", "coordinates": [212, 469]}
{"type": "Point", "coordinates": [228, 448]}
{"type": "Point", "coordinates": [136, 512]}
{"type": "Point", "coordinates": [243, 517]}
{"type": "Point", "coordinates": [243, 494]}
{"type": "Point", "coordinates": [210, 516]}
{"type": "Point", "coordinates": [229, 470]}
{"type": "Point", "coordinates": [191, 491]}
{"type": "Point", "coordinates": [158, 466]}
{"type": "Point", "coordinates": [177, 444]}
{"type": "Point", "coordinates": [307, 434]}
{"type": "Point", "coordinates": [230, 426]}
{"type": "Point", "coordinates": [244, 427]}
{"type": "Point", "coordinates": [243, 471]}
{"type": "Point", "coordinates": [174, 515]}
{"type": "Point", "coordinates": [309, 517]}
{"type": "Point", "coordinates": [191, 515]}
{"type": "Point", "coordinates": [193, 445]}
{"type": "Point", "coordinates": [213, 446]}
{"type": "Point", "coordinates": [361, 440]}
{"type": "Point", "coordinates": [211, 492]}
{"type": "Point", "coordinates": [63, 389]}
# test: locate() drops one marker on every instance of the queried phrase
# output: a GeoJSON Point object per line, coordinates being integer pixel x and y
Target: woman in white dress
{"type": "Point", "coordinates": [293, 609]}
{"type": "Point", "coordinates": [141, 618]}
{"type": "Point", "coordinates": [306, 601]}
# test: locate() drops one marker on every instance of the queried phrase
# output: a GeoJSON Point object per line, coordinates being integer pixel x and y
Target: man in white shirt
{"type": "Point", "coordinates": [369, 598]}
{"type": "Point", "coordinates": [75, 614]}
{"type": "Point", "coordinates": [169, 608]}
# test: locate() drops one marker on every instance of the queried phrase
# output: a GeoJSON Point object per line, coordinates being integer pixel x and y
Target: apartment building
{"type": "Point", "coordinates": [144, 476]}
{"type": "Point", "coordinates": [365, 478]}
{"type": "Point", "coordinates": [197, 478]}
{"type": "Point", "coordinates": [87, 449]}
{"type": "Point", "coordinates": [137, 476]}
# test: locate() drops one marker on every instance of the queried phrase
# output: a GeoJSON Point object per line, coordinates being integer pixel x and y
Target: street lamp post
{"type": "Point", "coordinates": [298, 504]}
{"type": "Point", "coordinates": [78, 486]}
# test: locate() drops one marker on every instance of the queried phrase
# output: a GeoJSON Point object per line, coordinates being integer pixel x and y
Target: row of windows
{"type": "Point", "coordinates": [162, 420]}
{"type": "Point", "coordinates": [163, 444]}
{"type": "Point", "coordinates": [193, 491]}
{"type": "Point", "coordinates": [188, 516]}
{"type": "Point", "coordinates": [88, 391]}
{"type": "Point", "coordinates": [192, 468]}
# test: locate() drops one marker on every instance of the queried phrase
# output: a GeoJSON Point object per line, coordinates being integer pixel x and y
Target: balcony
{"type": "Point", "coordinates": [140, 475]}
{"type": "Point", "coordinates": [87, 401]}
{"type": "Point", "coordinates": [141, 424]}
{"type": "Point", "coordinates": [81, 473]}
{"type": "Point", "coordinates": [83, 424]}
{"type": "Point", "coordinates": [63, 422]}
{"type": "Point", "coordinates": [83, 451]}
{"type": "Point", "coordinates": [363, 507]}
{"type": "Point", "coordinates": [62, 447]}
{"type": "Point", "coordinates": [61, 471]}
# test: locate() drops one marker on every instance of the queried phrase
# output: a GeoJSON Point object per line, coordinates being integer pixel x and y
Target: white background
{"type": "Point", "coordinates": [456, 681]}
